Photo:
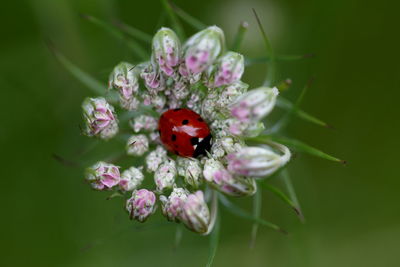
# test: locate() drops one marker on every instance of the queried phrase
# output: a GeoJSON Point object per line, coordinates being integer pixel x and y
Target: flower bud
{"type": "Point", "coordinates": [173, 205]}
{"type": "Point", "coordinates": [137, 145]}
{"type": "Point", "coordinates": [125, 79]}
{"type": "Point", "coordinates": [155, 158]}
{"type": "Point", "coordinates": [166, 50]}
{"type": "Point", "coordinates": [229, 95]}
{"type": "Point", "coordinates": [228, 69]}
{"type": "Point", "coordinates": [258, 161]}
{"type": "Point", "coordinates": [152, 77]}
{"type": "Point", "coordinates": [102, 175]}
{"type": "Point", "coordinates": [131, 179]}
{"type": "Point", "coordinates": [216, 174]}
{"type": "Point", "coordinates": [202, 49]}
{"type": "Point", "coordinates": [254, 105]}
{"type": "Point", "coordinates": [141, 205]}
{"type": "Point", "coordinates": [164, 177]}
{"type": "Point", "coordinates": [195, 213]}
{"type": "Point", "coordinates": [190, 170]}
{"type": "Point", "coordinates": [147, 123]}
{"type": "Point", "coordinates": [99, 118]}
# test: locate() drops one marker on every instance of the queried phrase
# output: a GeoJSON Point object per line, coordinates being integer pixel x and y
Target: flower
{"type": "Point", "coordinates": [195, 213]}
{"type": "Point", "coordinates": [102, 175]}
{"type": "Point", "coordinates": [144, 122]}
{"type": "Point", "coordinates": [258, 161]}
{"type": "Point", "coordinates": [173, 205]}
{"type": "Point", "coordinates": [137, 145]}
{"type": "Point", "coordinates": [131, 179]}
{"type": "Point", "coordinates": [99, 118]}
{"type": "Point", "coordinates": [155, 158]}
{"type": "Point", "coordinates": [124, 78]}
{"type": "Point", "coordinates": [164, 177]}
{"type": "Point", "coordinates": [166, 50]}
{"type": "Point", "coordinates": [141, 204]}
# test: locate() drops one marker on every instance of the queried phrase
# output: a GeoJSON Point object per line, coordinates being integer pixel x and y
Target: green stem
{"type": "Point", "coordinates": [290, 188]}
{"type": "Point", "coordinates": [192, 21]}
{"type": "Point", "coordinates": [257, 204]}
{"type": "Point", "coordinates": [174, 20]}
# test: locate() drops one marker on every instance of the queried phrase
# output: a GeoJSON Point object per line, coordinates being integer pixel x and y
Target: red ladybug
{"type": "Point", "coordinates": [184, 132]}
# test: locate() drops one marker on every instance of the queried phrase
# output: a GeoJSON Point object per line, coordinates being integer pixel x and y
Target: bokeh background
{"type": "Point", "coordinates": [49, 217]}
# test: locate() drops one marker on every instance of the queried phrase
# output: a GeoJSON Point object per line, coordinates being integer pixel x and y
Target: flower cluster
{"type": "Point", "coordinates": [202, 76]}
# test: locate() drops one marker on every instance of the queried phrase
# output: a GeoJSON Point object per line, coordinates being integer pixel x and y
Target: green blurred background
{"type": "Point", "coordinates": [49, 217]}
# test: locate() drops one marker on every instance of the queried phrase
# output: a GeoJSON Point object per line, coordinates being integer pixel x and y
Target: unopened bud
{"type": "Point", "coordinates": [217, 176]}
{"type": "Point", "coordinates": [137, 145]}
{"type": "Point", "coordinates": [166, 50]}
{"type": "Point", "coordinates": [228, 69]}
{"type": "Point", "coordinates": [131, 179]}
{"type": "Point", "coordinates": [173, 205]}
{"type": "Point", "coordinates": [124, 78]}
{"type": "Point", "coordinates": [164, 177]}
{"type": "Point", "coordinates": [144, 122]}
{"type": "Point", "coordinates": [141, 205]}
{"type": "Point", "coordinates": [202, 49]}
{"type": "Point", "coordinates": [195, 213]}
{"type": "Point", "coordinates": [258, 161]}
{"type": "Point", "coordinates": [155, 158]}
{"type": "Point", "coordinates": [99, 118]}
{"type": "Point", "coordinates": [102, 175]}
{"type": "Point", "coordinates": [190, 170]}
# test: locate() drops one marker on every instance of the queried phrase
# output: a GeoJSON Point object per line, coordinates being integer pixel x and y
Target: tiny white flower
{"type": "Point", "coordinates": [155, 158]}
{"type": "Point", "coordinates": [164, 177]}
{"type": "Point", "coordinates": [137, 145]}
{"type": "Point", "coordinates": [131, 179]}
{"type": "Point", "coordinates": [147, 123]}
{"type": "Point", "coordinates": [190, 170]}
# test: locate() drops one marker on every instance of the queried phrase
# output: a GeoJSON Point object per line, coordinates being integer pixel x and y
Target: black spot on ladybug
{"type": "Point", "coordinates": [194, 140]}
{"type": "Point", "coordinates": [173, 137]}
{"type": "Point", "coordinates": [185, 122]}
{"type": "Point", "coordinates": [200, 119]}
{"type": "Point", "coordinates": [177, 109]}
{"type": "Point", "coordinates": [203, 146]}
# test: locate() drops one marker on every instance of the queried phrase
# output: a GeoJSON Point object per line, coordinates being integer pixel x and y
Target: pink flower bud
{"type": "Point", "coordinates": [166, 50]}
{"type": "Point", "coordinates": [195, 213]}
{"type": "Point", "coordinates": [227, 70]}
{"type": "Point", "coordinates": [141, 205]}
{"type": "Point", "coordinates": [103, 176]}
{"type": "Point", "coordinates": [173, 205]}
{"type": "Point", "coordinates": [99, 118]}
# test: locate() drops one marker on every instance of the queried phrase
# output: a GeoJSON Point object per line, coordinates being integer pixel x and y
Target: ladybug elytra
{"type": "Point", "coordinates": [184, 132]}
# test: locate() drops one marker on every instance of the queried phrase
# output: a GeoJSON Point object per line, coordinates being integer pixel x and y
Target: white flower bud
{"type": "Point", "coordinates": [166, 50]}
{"type": "Point", "coordinates": [102, 175]}
{"type": "Point", "coordinates": [164, 177]}
{"type": "Point", "coordinates": [137, 145]}
{"type": "Point", "coordinates": [99, 118]}
{"type": "Point", "coordinates": [190, 170]}
{"type": "Point", "coordinates": [141, 205]}
{"type": "Point", "coordinates": [195, 213]}
{"type": "Point", "coordinates": [131, 179]}
{"type": "Point", "coordinates": [153, 79]}
{"type": "Point", "coordinates": [124, 78]}
{"type": "Point", "coordinates": [155, 158]}
{"type": "Point", "coordinates": [173, 205]}
{"type": "Point", "coordinates": [217, 176]}
{"type": "Point", "coordinates": [202, 49]}
{"type": "Point", "coordinates": [228, 69]}
{"type": "Point", "coordinates": [258, 161]}
{"type": "Point", "coordinates": [144, 122]}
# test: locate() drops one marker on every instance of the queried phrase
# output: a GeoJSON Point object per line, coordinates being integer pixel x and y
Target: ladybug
{"type": "Point", "coordinates": [183, 132]}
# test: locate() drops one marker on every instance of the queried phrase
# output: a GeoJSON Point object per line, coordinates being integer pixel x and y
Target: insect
{"type": "Point", "coordinates": [184, 132]}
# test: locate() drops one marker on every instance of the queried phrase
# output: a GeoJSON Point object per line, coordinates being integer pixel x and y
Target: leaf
{"type": "Point", "coordinates": [189, 19]}
{"type": "Point", "coordinates": [174, 20]}
{"type": "Point", "coordinates": [287, 105]}
{"type": "Point", "coordinates": [257, 205]}
{"type": "Point", "coordinates": [232, 208]}
{"type": "Point", "coordinates": [269, 51]}
{"type": "Point", "coordinates": [116, 33]}
{"type": "Point", "coordinates": [214, 239]}
{"type": "Point", "coordinates": [242, 29]}
{"type": "Point", "coordinates": [282, 123]}
{"type": "Point", "coordinates": [133, 32]}
{"type": "Point", "coordinates": [295, 144]}
{"type": "Point", "coordinates": [93, 84]}
{"type": "Point", "coordinates": [292, 193]}
{"type": "Point", "coordinates": [259, 60]}
{"type": "Point", "coordinates": [284, 198]}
